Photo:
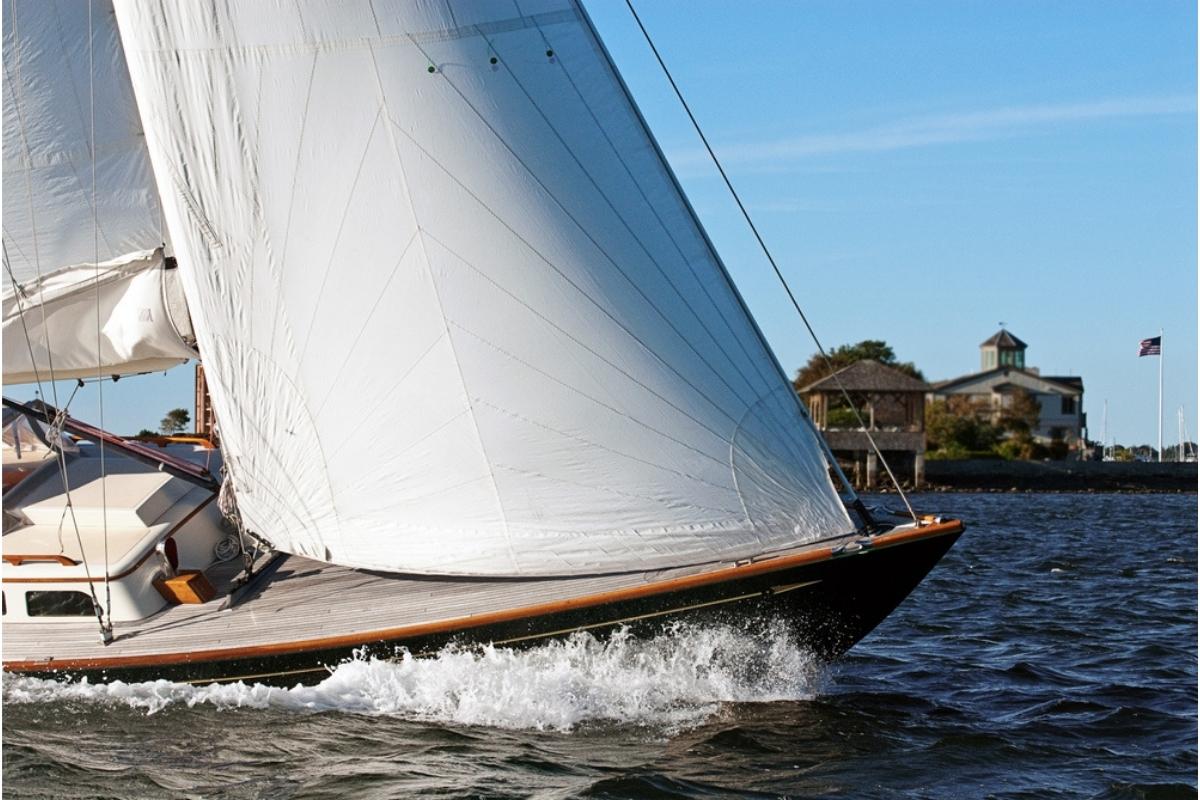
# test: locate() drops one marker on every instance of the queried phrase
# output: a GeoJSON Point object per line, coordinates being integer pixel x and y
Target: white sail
{"type": "Point", "coordinates": [456, 315]}
{"type": "Point", "coordinates": [65, 239]}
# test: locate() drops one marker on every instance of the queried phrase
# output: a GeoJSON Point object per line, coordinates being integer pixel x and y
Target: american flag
{"type": "Point", "coordinates": [1150, 347]}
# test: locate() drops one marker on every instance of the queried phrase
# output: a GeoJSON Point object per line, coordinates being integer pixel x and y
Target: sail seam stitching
{"type": "Point", "coordinates": [716, 256]}
{"type": "Point", "coordinates": [575, 340]}
{"type": "Point", "coordinates": [438, 297]}
{"type": "Point", "coordinates": [600, 249]}
{"type": "Point", "coordinates": [625, 223]}
{"type": "Point", "coordinates": [287, 228]}
{"type": "Point", "coordinates": [559, 271]}
{"type": "Point", "coordinates": [766, 391]}
{"type": "Point", "coordinates": [599, 306]}
{"type": "Point", "coordinates": [551, 264]}
{"type": "Point", "coordinates": [367, 320]}
{"type": "Point", "coordinates": [337, 237]}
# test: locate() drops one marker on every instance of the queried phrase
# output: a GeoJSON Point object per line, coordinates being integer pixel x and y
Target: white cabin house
{"type": "Point", "coordinates": [1003, 371]}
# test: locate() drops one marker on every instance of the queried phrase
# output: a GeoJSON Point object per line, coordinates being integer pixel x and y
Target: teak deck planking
{"type": "Point", "coordinates": [309, 601]}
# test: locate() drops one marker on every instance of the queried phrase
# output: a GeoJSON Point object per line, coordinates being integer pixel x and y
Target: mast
{"type": "Point", "coordinates": [1179, 428]}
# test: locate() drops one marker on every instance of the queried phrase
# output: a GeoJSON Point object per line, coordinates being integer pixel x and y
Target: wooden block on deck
{"type": "Point", "coordinates": [189, 586]}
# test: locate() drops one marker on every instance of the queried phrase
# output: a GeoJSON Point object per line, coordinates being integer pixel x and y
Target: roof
{"type": "Point", "coordinates": [1003, 338]}
{"type": "Point", "coordinates": [1068, 382]}
{"type": "Point", "coordinates": [868, 376]}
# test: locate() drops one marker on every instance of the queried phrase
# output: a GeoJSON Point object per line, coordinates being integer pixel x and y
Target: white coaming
{"type": "Point", "coordinates": [128, 512]}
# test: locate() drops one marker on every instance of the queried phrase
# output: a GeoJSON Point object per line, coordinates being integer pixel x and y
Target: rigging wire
{"type": "Point", "coordinates": [770, 258]}
{"type": "Point", "coordinates": [18, 293]}
{"type": "Point", "coordinates": [54, 426]}
{"type": "Point", "coordinates": [96, 262]}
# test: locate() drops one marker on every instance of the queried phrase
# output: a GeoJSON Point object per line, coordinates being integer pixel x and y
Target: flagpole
{"type": "Point", "coordinates": [1160, 360]}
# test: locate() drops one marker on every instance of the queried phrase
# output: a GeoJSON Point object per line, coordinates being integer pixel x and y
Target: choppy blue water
{"type": "Point", "coordinates": [1051, 654]}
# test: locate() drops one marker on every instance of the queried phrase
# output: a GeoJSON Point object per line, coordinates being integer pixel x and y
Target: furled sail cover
{"type": "Point", "coordinates": [456, 316]}
{"type": "Point", "coordinates": [124, 316]}
{"type": "Point", "coordinates": [54, 234]}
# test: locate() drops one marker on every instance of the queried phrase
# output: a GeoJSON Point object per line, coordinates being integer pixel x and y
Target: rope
{"type": "Point", "coordinates": [770, 258]}
{"type": "Point", "coordinates": [227, 505]}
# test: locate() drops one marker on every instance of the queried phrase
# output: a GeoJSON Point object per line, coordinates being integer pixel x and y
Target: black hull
{"type": "Point", "coordinates": [831, 603]}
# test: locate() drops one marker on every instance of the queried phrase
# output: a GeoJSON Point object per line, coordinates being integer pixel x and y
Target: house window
{"type": "Point", "coordinates": [1068, 405]}
{"type": "Point", "coordinates": [1019, 359]}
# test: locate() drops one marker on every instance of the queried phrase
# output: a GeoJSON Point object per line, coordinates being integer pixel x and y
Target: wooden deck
{"type": "Point", "coordinates": [305, 615]}
{"type": "Point", "coordinates": [308, 601]}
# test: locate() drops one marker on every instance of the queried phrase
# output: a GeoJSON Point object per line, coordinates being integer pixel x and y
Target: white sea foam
{"type": "Point", "coordinates": [676, 679]}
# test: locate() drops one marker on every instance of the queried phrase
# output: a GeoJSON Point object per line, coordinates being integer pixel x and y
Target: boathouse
{"type": "Point", "coordinates": [892, 405]}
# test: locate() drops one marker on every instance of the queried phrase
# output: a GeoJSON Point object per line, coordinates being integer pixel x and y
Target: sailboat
{"type": "Point", "coordinates": [479, 373]}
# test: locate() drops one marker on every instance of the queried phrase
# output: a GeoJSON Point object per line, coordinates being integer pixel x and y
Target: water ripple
{"type": "Point", "coordinates": [1051, 655]}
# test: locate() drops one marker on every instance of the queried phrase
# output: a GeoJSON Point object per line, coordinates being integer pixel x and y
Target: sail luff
{"type": "Point", "coordinates": [457, 317]}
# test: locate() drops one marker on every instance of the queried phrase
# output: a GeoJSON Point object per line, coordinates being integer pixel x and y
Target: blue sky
{"type": "Point", "coordinates": [925, 170]}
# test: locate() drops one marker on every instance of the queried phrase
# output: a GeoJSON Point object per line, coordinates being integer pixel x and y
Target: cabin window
{"type": "Point", "coordinates": [1068, 405]}
{"type": "Point", "coordinates": [58, 604]}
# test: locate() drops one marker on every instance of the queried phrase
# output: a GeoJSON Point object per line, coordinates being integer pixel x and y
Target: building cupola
{"type": "Point", "coordinates": [1002, 350]}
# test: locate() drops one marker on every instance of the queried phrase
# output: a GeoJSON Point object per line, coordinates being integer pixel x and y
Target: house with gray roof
{"type": "Point", "coordinates": [1004, 372]}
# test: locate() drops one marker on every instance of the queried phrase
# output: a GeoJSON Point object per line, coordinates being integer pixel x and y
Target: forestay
{"type": "Point", "coordinates": [65, 77]}
{"type": "Point", "coordinates": [456, 315]}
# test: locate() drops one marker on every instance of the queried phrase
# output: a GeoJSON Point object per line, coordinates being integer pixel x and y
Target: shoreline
{"type": "Point", "coordinates": [932, 489]}
{"type": "Point", "coordinates": [992, 475]}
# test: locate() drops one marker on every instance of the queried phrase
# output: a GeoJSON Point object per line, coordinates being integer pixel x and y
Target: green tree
{"type": "Point", "coordinates": [176, 420]}
{"type": "Point", "coordinates": [846, 354]}
{"type": "Point", "coordinates": [958, 427]}
{"type": "Point", "coordinates": [1122, 453]}
{"type": "Point", "coordinates": [1017, 420]}
{"type": "Point", "coordinates": [1020, 415]}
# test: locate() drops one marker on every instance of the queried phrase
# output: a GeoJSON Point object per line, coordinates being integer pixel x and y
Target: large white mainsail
{"type": "Point", "coordinates": [65, 240]}
{"type": "Point", "coordinates": [456, 315]}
